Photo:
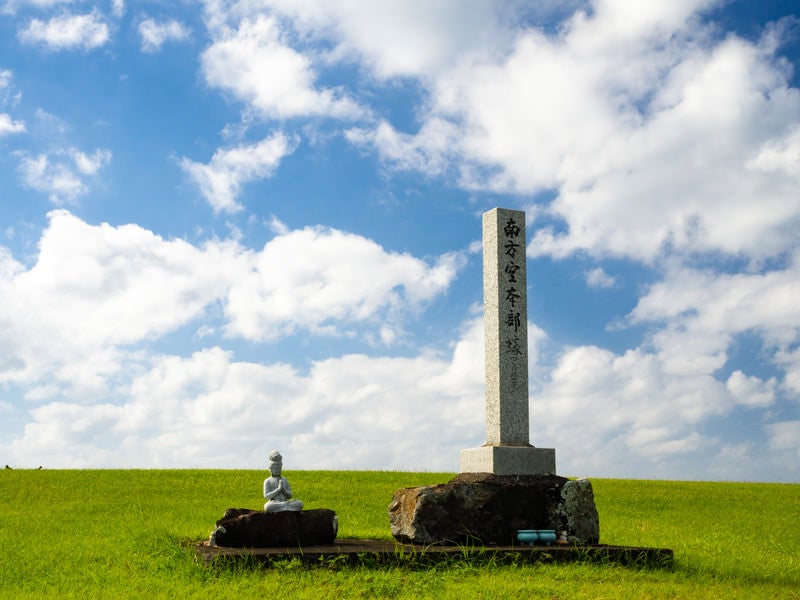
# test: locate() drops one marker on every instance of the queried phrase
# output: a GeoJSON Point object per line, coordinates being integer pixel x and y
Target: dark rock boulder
{"type": "Point", "coordinates": [245, 528]}
{"type": "Point", "coordinates": [489, 509]}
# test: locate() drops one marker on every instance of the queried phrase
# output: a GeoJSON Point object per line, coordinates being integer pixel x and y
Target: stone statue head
{"type": "Point", "coordinates": [275, 463]}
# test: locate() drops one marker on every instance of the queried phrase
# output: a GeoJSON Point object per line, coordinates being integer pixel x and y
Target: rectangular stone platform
{"type": "Point", "coordinates": [509, 460]}
{"type": "Point", "coordinates": [381, 552]}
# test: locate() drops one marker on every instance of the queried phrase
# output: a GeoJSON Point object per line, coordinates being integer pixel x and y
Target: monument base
{"type": "Point", "coordinates": [509, 460]}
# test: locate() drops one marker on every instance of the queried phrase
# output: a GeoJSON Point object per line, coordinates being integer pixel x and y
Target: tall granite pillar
{"type": "Point", "coordinates": [507, 450]}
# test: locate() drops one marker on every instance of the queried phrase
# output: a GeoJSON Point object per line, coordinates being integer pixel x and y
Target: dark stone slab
{"type": "Point", "coordinates": [245, 528]}
{"type": "Point", "coordinates": [487, 509]}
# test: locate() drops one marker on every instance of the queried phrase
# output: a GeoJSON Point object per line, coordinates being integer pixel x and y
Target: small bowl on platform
{"type": "Point", "coordinates": [546, 536]}
{"type": "Point", "coordinates": [528, 536]}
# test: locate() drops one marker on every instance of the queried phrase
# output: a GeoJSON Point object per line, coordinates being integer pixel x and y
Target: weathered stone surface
{"type": "Point", "coordinates": [578, 512]}
{"type": "Point", "coordinates": [245, 528]}
{"type": "Point", "coordinates": [489, 509]}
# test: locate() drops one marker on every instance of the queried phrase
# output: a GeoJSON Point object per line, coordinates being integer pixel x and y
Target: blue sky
{"type": "Point", "coordinates": [227, 227]}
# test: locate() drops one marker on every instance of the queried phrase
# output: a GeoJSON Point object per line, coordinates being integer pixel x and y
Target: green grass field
{"type": "Point", "coordinates": [119, 534]}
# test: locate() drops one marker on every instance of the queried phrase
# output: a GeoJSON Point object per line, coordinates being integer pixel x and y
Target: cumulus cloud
{"type": "Point", "coordinates": [254, 63]}
{"type": "Point", "coordinates": [649, 409]}
{"type": "Point", "coordinates": [426, 151]}
{"type": "Point", "coordinates": [344, 413]}
{"type": "Point", "coordinates": [410, 38]}
{"type": "Point", "coordinates": [653, 135]}
{"type": "Point", "coordinates": [751, 391]}
{"type": "Point", "coordinates": [101, 399]}
{"type": "Point", "coordinates": [634, 415]}
{"type": "Point", "coordinates": [9, 125]}
{"type": "Point", "coordinates": [5, 85]}
{"type": "Point", "coordinates": [598, 278]}
{"type": "Point", "coordinates": [221, 180]}
{"type": "Point", "coordinates": [315, 278]}
{"type": "Point", "coordinates": [67, 32]}
{"type": "Point", "coordinates": [98, 393]}
{"type": "Point", "coordinates": [154, 33]}
{"type": "Point", "coordinates": [704, 304]}
{"type": "Point", "coordinates": [96, 291]}
{"type": "Point", "coordinates": [62, 174]}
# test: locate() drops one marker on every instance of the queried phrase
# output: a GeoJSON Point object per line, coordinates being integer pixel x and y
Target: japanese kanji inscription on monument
{"type": "Point", "coordinates": [507, 450]}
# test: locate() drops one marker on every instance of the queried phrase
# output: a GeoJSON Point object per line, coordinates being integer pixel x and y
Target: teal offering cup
{"type": "Point", "coordinates": [546, 536]}
{"type": "Point", "coordinates": [527, 536]}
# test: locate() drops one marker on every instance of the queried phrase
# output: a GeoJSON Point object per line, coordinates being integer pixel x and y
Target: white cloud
{"type": "Point", "coordinates": [73, 322]}
{"type": "Point", "coordinates": [7, 95]}
{"type": "Point", "coordinates": [62, 175]}
{"type": "Point", "coordinates": [315, 278]}
{"type": "Point", "coordinates": [94, 290]}
{"type": "Point", "coordinates": [255, 64]}
{"type": "Point", "coordinates": [221, 180]}
{"type": "Point", "coordinates": [656, 136]}
{"type": "Point", "coordinates": [427, 151]}
{"type": "Point", "coordinates": [356, 411]}
{"type": "Point", "coordinates": [704, 304]}
{"type": "Point", "coordinates": [790, 361]}
{"type": "Point", "coordinates": [73, 319]}
{"type": "Point", "coordinates": [154, 34]}
{"type": "Point", "coordinates": [346, 412]}
{"type": "Point", "coordinates": [118, 8]}
{"type": "Point", "coordinates": [779, 153]}
{"type": "Point", "coordinates": [624, 414]}
{"type": "Point", "coordinates": [111, 403]}
{"type": "Point", "coordinates": [784, 443]}
{"type": "Point", "coordinates": [9, 125]}
{"type": "Point", "coordinates": [90, 164]}
{"type": "Point", "coordinates": [751, 391]}
{"type": "Point", "coordinates": [5, 78]}
{"type": "Point", "coordinates": [785, 436]}
{"type": "Point", "coordinates": [679, 181]}
{"type": "Point", "coordinates": [66, 32]}
{"type": "Point", "coordinates": [598, 278]}
{"type": "Point", "coordinates": [648, 409]}
{"type": "Point", "coordinates": [395, 38]}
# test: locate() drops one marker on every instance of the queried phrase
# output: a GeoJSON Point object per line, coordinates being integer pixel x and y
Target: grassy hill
{"type": "Point", "coordinates": [119, 534]}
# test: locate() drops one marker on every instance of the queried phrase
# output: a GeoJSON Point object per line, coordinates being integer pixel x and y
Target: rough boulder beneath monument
{"type": "Point", "coordinates": [245, 528]}
{"type": "Point", "coordinates": [489, 509]}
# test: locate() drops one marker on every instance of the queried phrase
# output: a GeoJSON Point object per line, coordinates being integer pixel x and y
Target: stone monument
{"type": "Point", "coordinates": [507, 484]}
{"type": "Point", "coordinates": [507, 450]}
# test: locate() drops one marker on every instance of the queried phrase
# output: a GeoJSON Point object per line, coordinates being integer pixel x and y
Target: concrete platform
{"type": "Point", "coordinates": [382, 552]}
